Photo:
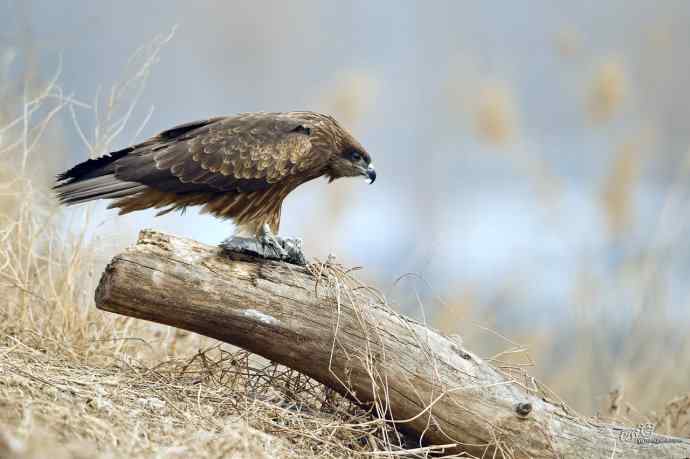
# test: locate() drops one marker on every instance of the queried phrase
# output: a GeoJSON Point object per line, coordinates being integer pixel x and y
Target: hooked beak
{"type": "Point", "coordinates": [371, 173]}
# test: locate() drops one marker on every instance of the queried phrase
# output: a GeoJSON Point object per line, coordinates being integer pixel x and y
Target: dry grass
{"type": "Point", "coordinates": [227, 404]}
{"type": "Point", "coordinates": [673, 419]}
{"type": "Point", "coordinates": [496, 117]}
{"type": "Point", "coordinates": [607, 90]}
{"type": "Point", "coordinates": [618, 193]}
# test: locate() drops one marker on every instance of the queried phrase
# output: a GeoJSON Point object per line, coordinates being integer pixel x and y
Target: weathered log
{"type": "Point", "coordinates": [323, 323]}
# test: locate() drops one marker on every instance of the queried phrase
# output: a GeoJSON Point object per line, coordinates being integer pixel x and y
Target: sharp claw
{"type": "Point", "coordinates": [267, 238]}
{"type": "Point", "coordinates": [277, 249]}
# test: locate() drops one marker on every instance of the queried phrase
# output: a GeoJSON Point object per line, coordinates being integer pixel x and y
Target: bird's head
{"type": "Point", "coordinates": [351, 161]}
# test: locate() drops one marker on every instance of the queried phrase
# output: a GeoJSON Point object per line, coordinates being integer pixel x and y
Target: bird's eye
{"type": "Point", "coordinates": [355, 155]}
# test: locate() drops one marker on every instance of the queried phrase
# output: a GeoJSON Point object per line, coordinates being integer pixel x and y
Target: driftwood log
{"type": "Point", "coordinates": [323, 323]}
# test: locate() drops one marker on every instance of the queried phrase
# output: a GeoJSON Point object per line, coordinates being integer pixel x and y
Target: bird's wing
{"type": "Point", "coordinates": [243, 153]}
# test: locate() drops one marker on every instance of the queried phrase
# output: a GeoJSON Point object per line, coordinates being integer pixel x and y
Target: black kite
{"type": "Point", "coordinates": [238, 167]}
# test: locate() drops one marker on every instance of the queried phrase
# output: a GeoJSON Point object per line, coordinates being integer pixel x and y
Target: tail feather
{"type": "Point", "coordinates": [95, 179]}
{"type": "Point", "coordinates": [103, 187]}
{"type": "Point", "coordinates": [93, 167]}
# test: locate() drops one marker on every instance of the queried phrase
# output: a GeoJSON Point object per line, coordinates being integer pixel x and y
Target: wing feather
{"type": "Point", "coordinates": [244, 153]}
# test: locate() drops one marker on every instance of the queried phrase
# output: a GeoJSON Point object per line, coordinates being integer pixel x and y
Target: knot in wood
{"type": "Point", "coordinates": [523, 409]}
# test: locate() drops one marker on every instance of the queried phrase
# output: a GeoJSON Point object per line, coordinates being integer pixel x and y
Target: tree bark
{"type": "Point", "coordinates": [322, 322]}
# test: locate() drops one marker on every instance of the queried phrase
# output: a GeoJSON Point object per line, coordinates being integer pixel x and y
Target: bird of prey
{"type": "Point", "coordinates": [237, 167]}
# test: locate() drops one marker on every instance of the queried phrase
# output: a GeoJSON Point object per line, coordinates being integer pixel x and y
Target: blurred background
{"type": "Point", "coordinates": [533, 157]}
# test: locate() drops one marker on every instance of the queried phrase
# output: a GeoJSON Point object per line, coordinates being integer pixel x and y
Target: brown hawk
{"type": "Point", "coordinates": [238, 167]}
